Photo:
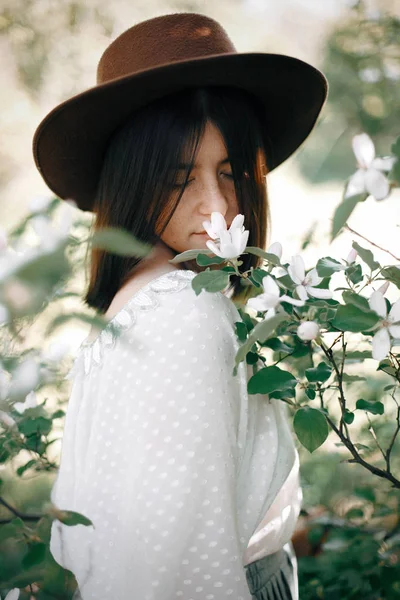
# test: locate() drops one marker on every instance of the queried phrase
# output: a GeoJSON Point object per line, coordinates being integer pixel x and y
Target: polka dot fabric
{"type": "Point", "coordinates": [167, 454]}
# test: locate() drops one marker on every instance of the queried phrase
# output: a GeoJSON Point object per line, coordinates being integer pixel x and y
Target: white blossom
{"type": "Point", "coordinates": [230, 243]}
{"type": "Point", "coordinates": [56, 350]}
{"type": "Point", "coordinates": [270, 299]}
{"type": "Point", "coordinates": [305, 283]}
{"type": "Point", "coordinates": [308, 330]}
{"type": "Point", "coordinates": [388, 326]}
{"type": "Point", "coordinates": [39, 203]}
{"type": "Point", "coordinates": [275, 248]}
{"type": "Point", "coordinates": [13, 594]}
{"type": "Point", "coordinates": [25, 378]}
{"type": "Point", "coordinates": [351, 257]}
{"type": "Point", "coordinates": [7, 420]}
{"type": "Point", "coordinates": [369, 176]}
{"type": "Point", "coordinates": [30, 402]}
{"type": "Point", "coordinates": [51, 236]}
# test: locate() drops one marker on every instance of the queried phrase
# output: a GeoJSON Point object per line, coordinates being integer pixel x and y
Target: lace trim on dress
{"type": "Point", "coordinates": [145, 299]}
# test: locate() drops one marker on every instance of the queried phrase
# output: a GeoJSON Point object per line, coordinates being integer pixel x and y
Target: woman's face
{"type": "Point", "coordinates": [210, 188]}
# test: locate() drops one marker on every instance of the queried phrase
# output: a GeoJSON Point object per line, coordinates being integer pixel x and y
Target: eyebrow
{"type": "Point", "coordinates": [182, 166]}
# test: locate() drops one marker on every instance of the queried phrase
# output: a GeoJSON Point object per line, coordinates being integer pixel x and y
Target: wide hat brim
{"type": "Point", "coordinates": [70, 142]}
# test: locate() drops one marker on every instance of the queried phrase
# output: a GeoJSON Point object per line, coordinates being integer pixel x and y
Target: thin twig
{"type": "Point", "coordinates": [372, 243]}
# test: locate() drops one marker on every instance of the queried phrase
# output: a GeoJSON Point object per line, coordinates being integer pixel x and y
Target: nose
{"type": "Point", "coordinates": [212, 199]}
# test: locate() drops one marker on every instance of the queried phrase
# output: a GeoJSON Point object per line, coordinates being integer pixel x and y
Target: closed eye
{"type": "Point", "coordinates": [179, 185]}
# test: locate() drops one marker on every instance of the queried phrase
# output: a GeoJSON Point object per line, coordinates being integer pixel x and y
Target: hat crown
{"type": "Point", "coordinates": [163, 40]}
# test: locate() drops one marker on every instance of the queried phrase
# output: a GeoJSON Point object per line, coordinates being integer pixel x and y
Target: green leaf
{"type": "Point", "coordinates": [14, 529]}
{"type": "Point", "coordinates": [40, 426]}
{"type": "Point", "coordinates": [354, 273]}
{"type": "Point", "coordinates": [260, 332]}
{"type": "Point", "coordinates": [366, 256]}
{"type": "Point", "coordinates": [343, 212]}
{"type": "Point", "coordinates": [346, 377]}
{"type": "Point", "coordinates": [271, 258]}
{"type": "Point", "coordinates": [69, 517]}
{"type": "Point", "coordinates": [277, 345]}
{"type": "Point", "coordinates": [241, 331]}
{"type": "Point", "coordinates": [351, 318]}
{"type": "Point", "coordinates": [35, 555]}
{"type": "Point", "coordinates": [252, 358]}
{"type": "Point", "coordinates": [21, 470]}
{"type": "Point", "coordinates": [320, 373]}
{"type": "Point", "coordinates": [210, 281]}
{"type": "Point", "coordinates": [120, 242]}
{"type": "Point", "coordinates": [58, 414]}
{"type": "Point", "coordinates": [203, 260]}
{"type": "Point", "coordinates": [270, 379]}
{"type": "Point", "coordinates": [348, 417]}
{"type": "Point", "coordinates": [310, 393]}
{"type": "Point", "coordinates": [376, 408]}
{"type": "Point", "coordinates": [361, 446]}
{"type": "Point", "coordinates": [327, 266]}
{"type": "Point", "coordinates": [189, 255]}
{"type": "Point", "coordinates": [354, 513]}
{"type": "Point", "coordinates": [311, 427]}
{"type": "Point", "coordinates": [392, 274]}
{"type": "Point", "coordinates": [350, 297]}
{"type": "Point", "coordinates": [354, 356]}
{"type": "Point", "coordinates": [366, 493]}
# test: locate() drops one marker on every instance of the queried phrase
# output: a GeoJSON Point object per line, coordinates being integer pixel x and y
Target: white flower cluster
{"type": "Point", "coordinates": [231, 244]}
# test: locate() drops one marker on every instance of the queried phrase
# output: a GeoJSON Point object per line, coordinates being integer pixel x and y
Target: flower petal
{"type": "Point", "coordinates": [394, 331]}
{"type": "Point", "coordinates": [275, 248]}
{"type": "Point", "coordinates": [356, 184]}
{"type": "Point", "coordinates": [237, 222]}
{"type": "Point", "coordinates": [377, 184]}
{"type": "Point", "coordinates": [218, 222]}
{"type": "Point", "coordinates": [380, 344]}
{"type": "Point", "coordinates": [270, 286]}
{"type": "Point", "coordinates": [384, 164]}
{"type": "Point", "coordinates": [364, 149]}
{"type": "Point", "coordinates": [13, 594]}
{"type": "Point", "coordinates": [293, 301]}
{"type": "Point", "coordinates": [312, 278]}
{"type": "Point", "coordinates": [296, 269]}
{"type": "Point", "coordinates": [258, 303]}
{"type": "Point", "coordinates": [378, 304]}
{"type": "Point", "coordinates": [394, 314]}
{"type": "Point", "coordinates": [319, 292]}
{"type": "Point", "coordinates": [302, 292]}
{"type": "Point", "coordinates": [214, 248]}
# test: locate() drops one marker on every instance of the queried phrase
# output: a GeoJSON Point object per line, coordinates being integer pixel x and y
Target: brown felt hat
{"type": "Point", "coordinates": [161, 56]}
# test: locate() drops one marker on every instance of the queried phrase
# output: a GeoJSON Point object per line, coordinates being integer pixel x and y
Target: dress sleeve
{"type": "Point", "coordinates": [159, 460]}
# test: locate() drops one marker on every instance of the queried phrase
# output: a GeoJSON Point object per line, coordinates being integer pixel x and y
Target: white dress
{"type": "Point", "coordinates": [175, 464]}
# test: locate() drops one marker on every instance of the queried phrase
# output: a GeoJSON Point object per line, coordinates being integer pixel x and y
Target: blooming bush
{"type": "Point", "coordinates": [298, 337]}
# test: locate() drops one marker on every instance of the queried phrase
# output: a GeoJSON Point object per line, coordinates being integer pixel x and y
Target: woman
{"type": "Point", "coordinates": [191, 485]}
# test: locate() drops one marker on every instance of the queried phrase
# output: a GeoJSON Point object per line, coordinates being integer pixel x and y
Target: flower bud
{"type": "Point", "coordinates": [352, 256]}
{"type": "Point", "coordinates": [308, 330]}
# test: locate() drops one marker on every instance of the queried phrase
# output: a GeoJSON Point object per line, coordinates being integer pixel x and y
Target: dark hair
{"type": "Point", "coordinates": [141, 162]}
